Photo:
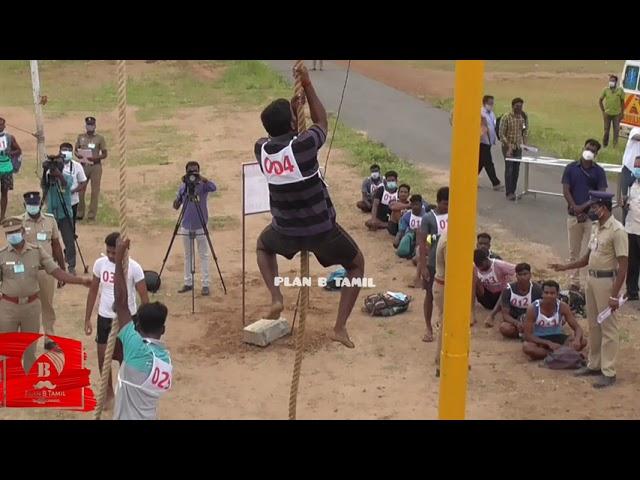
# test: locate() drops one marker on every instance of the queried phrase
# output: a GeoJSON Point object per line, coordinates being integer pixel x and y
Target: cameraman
{"type": "Point", "coordinates": [191, 225]}
{"type": "Point", "coordinates": [56, 188]}
{"type": "Point", "coordinates": [76, 170]}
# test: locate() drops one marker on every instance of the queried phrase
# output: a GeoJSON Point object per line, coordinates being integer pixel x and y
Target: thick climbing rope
{"type": "Point", "coordinates": [303, 296]}
{"type": "Point", "coordinates": [304, 273]}
{"type": "Point", "coordinates": [122, 150]}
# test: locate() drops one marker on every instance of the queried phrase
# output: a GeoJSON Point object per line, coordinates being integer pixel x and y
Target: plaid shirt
{"type": "Point", "coordinates": [512, 130]}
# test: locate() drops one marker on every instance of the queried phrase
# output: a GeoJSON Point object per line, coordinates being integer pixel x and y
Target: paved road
{"type": "Point", "coordinates": [420, 133]}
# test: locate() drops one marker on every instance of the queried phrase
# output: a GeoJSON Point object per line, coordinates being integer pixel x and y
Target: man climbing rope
{"type": "Point", "coordinates": [146, 371]}
{"type": "Point", "coordinates": [303, 215]}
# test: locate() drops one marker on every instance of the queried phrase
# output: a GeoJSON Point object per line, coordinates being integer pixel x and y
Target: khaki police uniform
{"type": "Point", "coordinates": [607, 243]}
{"type": "Point", "coordinates": [19, 289]}
{"type": "Point", "coordinates": [42, 231]}
{"type": "Point", "coordinates": [92, 170]}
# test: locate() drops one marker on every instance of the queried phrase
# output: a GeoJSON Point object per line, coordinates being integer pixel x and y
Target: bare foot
{"type": "Point", "coordinates": [276, 310]}
{"type": "Point", "coordinates": [343, 337]}
{"type": "Point", "coordinates": [428, 337]}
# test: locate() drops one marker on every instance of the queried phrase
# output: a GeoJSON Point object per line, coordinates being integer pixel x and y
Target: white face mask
{"type": "Point", "coordinates": [612, 84]}
{"type": "Point", "coordinates": [588, 155]}
{"type": "Point", "coordinates": [375, 175]}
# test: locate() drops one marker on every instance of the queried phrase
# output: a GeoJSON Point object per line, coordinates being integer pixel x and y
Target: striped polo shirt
{"type": "Point", "coordinates": [300, 209]}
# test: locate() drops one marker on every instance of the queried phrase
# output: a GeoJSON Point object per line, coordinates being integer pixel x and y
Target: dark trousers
{"type": "Point", "coordinates": [633, 272]}
{"type": "Point", "coordinates": [626, 180]}
{"type": "Point", "coordinates": [608, 120]}
{"type": "Point", "coordinates": [486, 162]}
{"type": "Point", "coordinates": [66, 231]}
{"type": "Point", "coordinates": [511, 171]}
{"type": "Point", "coordinates": [75, 214]}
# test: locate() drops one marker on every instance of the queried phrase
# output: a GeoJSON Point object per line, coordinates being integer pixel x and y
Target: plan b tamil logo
{"type": "Point", "coordinates": [57, 379]}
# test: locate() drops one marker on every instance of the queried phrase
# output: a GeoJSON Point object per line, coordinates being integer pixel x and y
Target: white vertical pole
{"type": "Point", "coordinates": [35, 83]}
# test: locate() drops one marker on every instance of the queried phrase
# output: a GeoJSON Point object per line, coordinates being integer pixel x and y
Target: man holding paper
{"type": "Point", "coordinates": [606, 260]}
{"type": "Point", "coordinates": [91, 149]}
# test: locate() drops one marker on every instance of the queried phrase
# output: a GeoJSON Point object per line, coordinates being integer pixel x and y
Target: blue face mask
{"type": "Point", "coordinates": [636, 172]}
{"type": "Point", "coordinates": [15, 239]}
{"type": "Point", "coordinates": [67, 155]}
{"type": "Point", "coordinates": [392, 185]}
{"type": "Point", "coordinates": [33, 210]}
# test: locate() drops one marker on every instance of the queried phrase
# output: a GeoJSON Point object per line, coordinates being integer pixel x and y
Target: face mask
{"type": "Point", "coordinates": [392, 185]}
{"type": "Point", "coordinates": [612, 84]}
{"type": "Point", "coordinates": [488, 108]}
{"type": "Point", "coordinates": [91, 129]}
{"type": "Point", "coordinates": [588, 155]}
{"type": "Point", "coordinates": [33, 210]}
{"type": "Point", "coordinates": [67, 155]}
{"type": "Point", "coordinates": [375, 175]}
{"type": "Point", "coordinates": [593, 215]}
{"type": "Point", "coordinates": [15, 239]}
{"type": "Point", "coordinates": [636, 172]}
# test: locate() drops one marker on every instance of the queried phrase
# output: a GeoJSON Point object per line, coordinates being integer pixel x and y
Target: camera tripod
{"type": "Point", "coordinates": [192, 197]}
{"type": "Point", "coordinates": [56, 187]}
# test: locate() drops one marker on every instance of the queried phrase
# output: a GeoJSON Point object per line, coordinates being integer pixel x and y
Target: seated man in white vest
{"type": "Point", "coordinates": [405, 240]}
{"type": "Point", "coordinates": [515, 300]}
{"type": "Point", "coordinates": [544, 325]}
{"type": "Point", "coordinates": [398, 208]}
{"type": "Point", "coordinates": [491, 277]}
{"type": "Point", "coordinates": [382, 199]}
{"type": "Point", "coordinates": [369, 186]}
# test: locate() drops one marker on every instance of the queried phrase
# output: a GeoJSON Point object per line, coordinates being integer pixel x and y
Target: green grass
{"type": "Point", "coordinates": [604, 67]}
{"type": "Point", "coordinates": [107, 214]}
{"type": "Point", "coordinates": [159, 145]}
{"type": "Point", "coordinates": [365, 152]}
{"type": "Point", "coordinates": [252, 82]}
{"type": "Point", "coordinates": [167, 194]}
{"type": "Point", "coordinates": [563, 109]}
{"type": "Point", "coordinates": [164, 87]}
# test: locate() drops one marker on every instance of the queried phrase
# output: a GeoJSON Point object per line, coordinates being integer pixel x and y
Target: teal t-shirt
{"type": "Point", "coordinates": [138, 353]}
{"type": "Point", "coordinates": [135, 403]}
{"type": "Point", "coordinates": [54, 205]}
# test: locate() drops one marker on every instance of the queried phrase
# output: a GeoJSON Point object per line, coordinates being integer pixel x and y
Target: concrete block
{"type": "Point", "coordinates": [263, 332]}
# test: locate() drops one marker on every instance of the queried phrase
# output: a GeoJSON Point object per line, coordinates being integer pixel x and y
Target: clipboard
{"type": "Point", "coordinates": [86, 153]}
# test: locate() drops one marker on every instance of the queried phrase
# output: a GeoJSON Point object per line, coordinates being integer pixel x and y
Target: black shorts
{"type": "Point", "coordinates": [392, 228]}
{"type": "Point", "coordinates": [6, 182]}
{"type": "Point", "coordinates": [335, 247]}
{"type": "Point", "coordinates": [489, 299]}
{"type": "Point", "coordinates": [560, 338]}
{"type": "Point", "coordinates": [519, 315]}
{"type": "Point", "coordinates": [104, 328]}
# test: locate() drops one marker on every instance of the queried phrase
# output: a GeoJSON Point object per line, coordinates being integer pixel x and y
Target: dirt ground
{"type": "Point", "coordinates": [436, 83]}
{"type": "Point", "coordinates": [389, 375]}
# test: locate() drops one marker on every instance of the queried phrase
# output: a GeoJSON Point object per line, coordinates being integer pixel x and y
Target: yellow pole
{"type": "Point", "coordinates": [461, 238]}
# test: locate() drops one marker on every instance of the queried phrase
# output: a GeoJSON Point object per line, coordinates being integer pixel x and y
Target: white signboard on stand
{"type": "Point", "coordinates": [255, 199]}
{"type": "Point", "coordinates": [255, 189]}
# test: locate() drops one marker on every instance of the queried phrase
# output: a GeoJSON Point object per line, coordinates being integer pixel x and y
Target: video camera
{"type": "Point", "coordinates": [191, 179]}
{"type": "Point", "coordinates": [53, 162]}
